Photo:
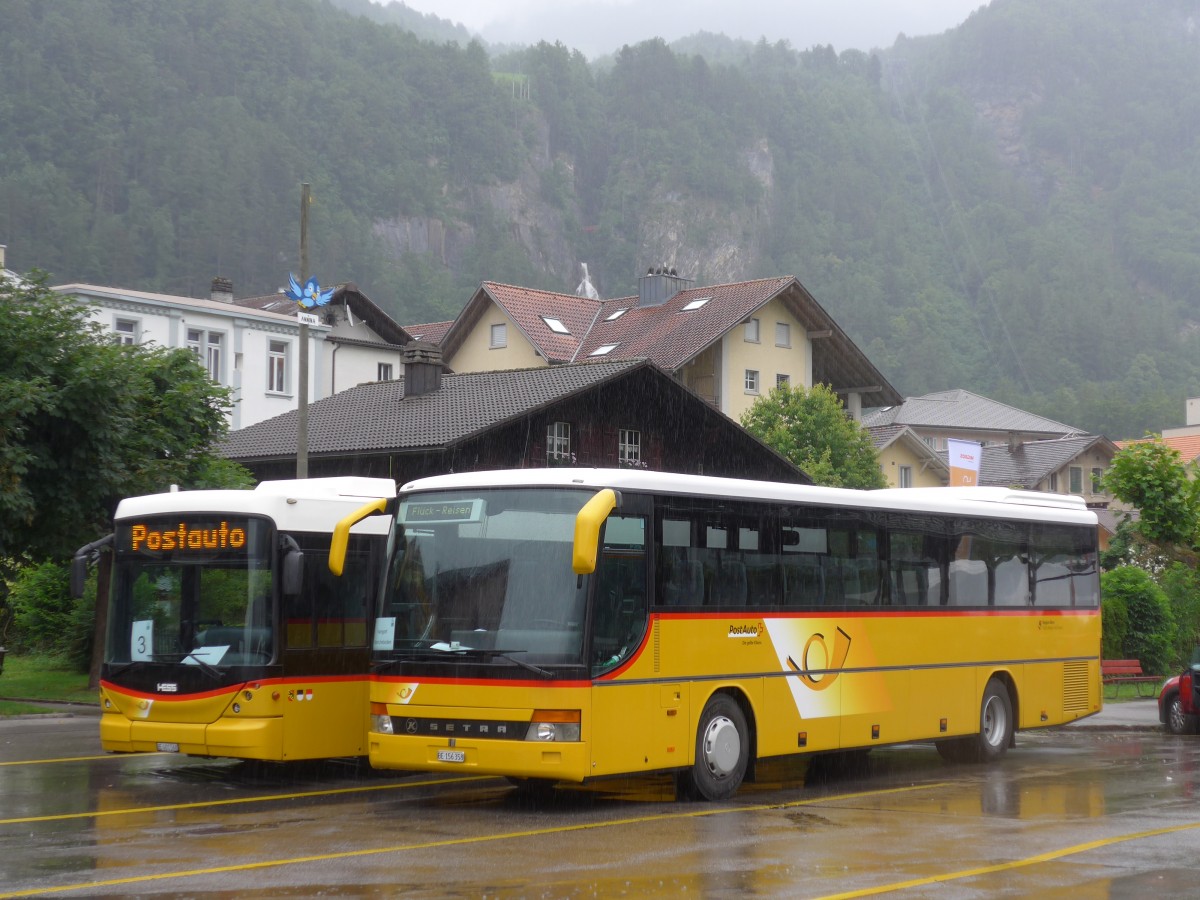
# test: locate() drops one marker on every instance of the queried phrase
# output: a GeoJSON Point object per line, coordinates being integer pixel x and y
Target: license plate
{"type": "Point", "coordinates": [165, 747]}
{"type": "Point", "coordinates": [455, 756]}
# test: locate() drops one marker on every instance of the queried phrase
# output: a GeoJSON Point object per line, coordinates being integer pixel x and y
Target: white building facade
{"type": "Point", "coordinates": [253, 352]}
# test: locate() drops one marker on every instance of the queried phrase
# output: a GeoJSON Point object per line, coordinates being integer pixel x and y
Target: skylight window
{"type": "Point", "coordinates": [555, 325]}
{"type": "Point", "coordinates": [696, 304]}
{"type": "Point", "coordinates": [603, 351]}
{"type": "Point", "coordinates": [612, 317]}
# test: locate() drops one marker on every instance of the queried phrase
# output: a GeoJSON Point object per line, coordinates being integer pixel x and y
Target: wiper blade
{"type": "Point", "coordinates": [206, 667]}
{"type": "Point", "coordinates": [124, 667]}
{"type": "Point", "coordinates": [472, 653]}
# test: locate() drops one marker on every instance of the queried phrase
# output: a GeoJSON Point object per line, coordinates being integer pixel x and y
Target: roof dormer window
{"type": "Point", "coordinates": [604, 350]}
{"type": "Point", "coordinates": [555, 325]}
{"type": "Point", "coordinates": [696, 304]}
{"type": "Point", "coordinates": [612, 317]}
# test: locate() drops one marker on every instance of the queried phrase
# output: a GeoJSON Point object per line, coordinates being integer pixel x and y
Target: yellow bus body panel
{"type": "Point", "coordinates": [276, 720]}
{"type": "Point", "coordinates": [807, 683]}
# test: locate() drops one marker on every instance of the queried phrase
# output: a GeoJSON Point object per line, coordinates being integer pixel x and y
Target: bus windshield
{"type": "Point", "coordinates": [484, 574]}
{"type": "Point", "coordinates": [192, 589]}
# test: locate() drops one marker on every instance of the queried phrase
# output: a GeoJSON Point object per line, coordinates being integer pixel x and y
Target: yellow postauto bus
{"type": "Point", "coordinates": [227, 634]}
{"type": "Point", "coordinates": [572, 624]}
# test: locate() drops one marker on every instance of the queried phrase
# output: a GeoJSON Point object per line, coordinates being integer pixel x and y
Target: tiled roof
{"type": "Point", "coordinates": [377, 416]}
{"type": "Point", "coordinates": [667, 333]}
{"type": "Point", "coordinates": [429, 331]}
{"type": "Point", "coordinates": [960, 409]}
{"type": "Point", "coordinates": [348, 295]}
{"type": "Point", "coordinates": [884, 435]}
{"type": "Point", "coordinates": [1032, 461]}
{"type": "Point", "coordinates": [205, 305]}
{"type": "Point", "coordinates": [1187, 445]}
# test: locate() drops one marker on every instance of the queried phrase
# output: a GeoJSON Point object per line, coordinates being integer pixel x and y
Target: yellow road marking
{"type": "Point", "coordinates": [33, 762]}
{"type": "Point", "coordinates": [202, 804]}
{"type": "Point", "coordinates": [1014, 864]}
{"type": "Point", "coordinates": [453, 842]}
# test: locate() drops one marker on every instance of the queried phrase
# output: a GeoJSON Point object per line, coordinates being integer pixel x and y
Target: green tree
{"type": "Point", "coordinates": [1151, 477]}
{"type": "Point", "coordinates": [85, 421]}
{"type": "Point", "coordinates": [811, 428]}
{"type": "Point", "coordinates": [1150, 626]}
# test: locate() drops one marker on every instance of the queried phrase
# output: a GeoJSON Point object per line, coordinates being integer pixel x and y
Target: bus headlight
{"type": "Point", "coordinates": [381, 722]}
{"type": "Point", "coordinates": [553, 725]}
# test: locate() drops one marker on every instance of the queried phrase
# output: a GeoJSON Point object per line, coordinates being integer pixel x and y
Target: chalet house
{"type": "Point", "coordinates": [616, 412]}
{"type": "Point", "coordinates": [252, 346]}
{"type": "Point", "coordinates": [1020, 449]}
{"type": "Point", "coordinates": [961, 415]}
{"type": "Point", "coordinates": [728, 343]}
{"type": "Point", "coordinates": [906, 460]}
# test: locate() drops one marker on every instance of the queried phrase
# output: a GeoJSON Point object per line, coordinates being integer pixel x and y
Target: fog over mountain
{"type": "Point", "coordinates": [598, 27]}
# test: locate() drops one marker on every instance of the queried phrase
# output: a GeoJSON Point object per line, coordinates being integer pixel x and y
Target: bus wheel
{"type": "Point", "coordinates": [996, 728]}
{"type": "Point", "coordinates": [722, 751]}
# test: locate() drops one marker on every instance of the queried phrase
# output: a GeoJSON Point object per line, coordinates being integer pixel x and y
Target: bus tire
{"type": "Point", "coordinates": [996, 728]}
{"type": "Point", "coordinates": [722, 751]}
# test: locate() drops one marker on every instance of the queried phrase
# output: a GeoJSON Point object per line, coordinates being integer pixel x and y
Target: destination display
{"type": "Point", "coordinates": [178, 536]}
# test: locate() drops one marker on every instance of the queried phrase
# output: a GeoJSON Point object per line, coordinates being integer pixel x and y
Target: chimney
{"type": "Point", "coordinates": [3, 249]}
{"type": "Point", "coordinates": [422, 368]}
{"type": "Point", "coordinates": [659, 285]}
{"type": "Point", "coordinates": [222, 290]}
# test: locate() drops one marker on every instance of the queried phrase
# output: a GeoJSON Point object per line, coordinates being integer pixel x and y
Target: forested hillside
{"type": "Point", "coordinates": [1010, 208]}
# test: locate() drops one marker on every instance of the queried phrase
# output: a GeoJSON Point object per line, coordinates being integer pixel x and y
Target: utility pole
{"type": "Point", "coordinates": [302, 388]}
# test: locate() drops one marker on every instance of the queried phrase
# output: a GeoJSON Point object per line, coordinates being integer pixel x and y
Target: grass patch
{"type": "Point", "coordinates": [43, 678]}
{"type": "Point", "coordinates": [1131, 691]}
{"type": "Point", "coordinates": [17, 708]}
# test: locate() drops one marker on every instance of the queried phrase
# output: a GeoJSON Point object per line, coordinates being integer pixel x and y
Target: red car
{"type": "Point", "coordinates": [1178, 700]}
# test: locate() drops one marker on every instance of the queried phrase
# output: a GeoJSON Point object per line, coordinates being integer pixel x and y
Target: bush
{"type": "Point", "coordinates": [1150, 626]}
{"type": "Point", "coordinates": [1182, 585]}
{"type": "Point", "coordinates": [1114, 617]}
{"type": "Point", "coordinates": [45, 618]}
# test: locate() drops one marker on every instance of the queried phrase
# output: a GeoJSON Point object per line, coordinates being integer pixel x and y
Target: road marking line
{"type": "Point", "coordinates": [463, 841]}
{"type": "Point", "coordinates": [34, 762]}
{"type": "Point", "coordinates": [1014, 864]}
{"type": "Point", "coordinates": [202, 804]}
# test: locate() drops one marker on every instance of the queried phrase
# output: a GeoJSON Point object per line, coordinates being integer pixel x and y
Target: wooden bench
{"type": "Point", "coordinates": [1125, 671]}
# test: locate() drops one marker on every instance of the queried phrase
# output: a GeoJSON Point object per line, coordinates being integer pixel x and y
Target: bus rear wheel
{"type": "Point", "coordinates": [722, 752]}
{"type": "Point", "coordinates": [996, 729]}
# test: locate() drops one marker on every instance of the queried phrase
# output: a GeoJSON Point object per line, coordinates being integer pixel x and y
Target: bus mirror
{"type": "Point", "coordinates": [78, 576]}
{"type": "Point", "coordinates": [293, 573]}
{"type": "Point", "coordinates": [587, 530]}
{"type": "Point", "coordinates": [341, 531]}
{"type": "Point", "coordinates": [79, 564]}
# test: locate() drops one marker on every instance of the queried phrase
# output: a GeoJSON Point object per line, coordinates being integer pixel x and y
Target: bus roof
{"type": "Point", "coordinates": [306, 504]}
{"type": "Point", "coordinates": [994, 502]}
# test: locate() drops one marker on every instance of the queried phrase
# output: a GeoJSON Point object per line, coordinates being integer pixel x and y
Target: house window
{"type": "Point", "coordinates": [1097, 478]}
{"type": "Point", "coordinates": [277, 367]}
{"type": "Point", "coordinates": [904, 477]}
{"type": "Point", "coordinates": [603, 351]}
{"type": "Point", "coordinates": [783, 380]}
{"type": "Point", "coordinates": [629, 447]}
{"type": "Point", "coordinates": [499, 336]}
{"type": "Point", "coordinates": [555, 325]}
{"type": "Point", "coordinates": [612, 317]}
{"type": "Point", "coordinates": [752, 331]}
{"type": "Point", "coordinates": [207, 346]}
{"type": "Point", "coordinates": [1076, 479]}
{"type": "Point", "coordinates": [696, 304]}
{"type": "Point", "coordinates": [1053, 485]}
{"type": "Point", "coordinates": [125, 331]}
{"type": "Point", "coordinates": [783, 334]}
{"type": "Point", "coordinates": [558, 442]}
{"type": "Point", "coordinates": [751, 381]}
{"type": "Point", "coordinates": [384, 372]}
